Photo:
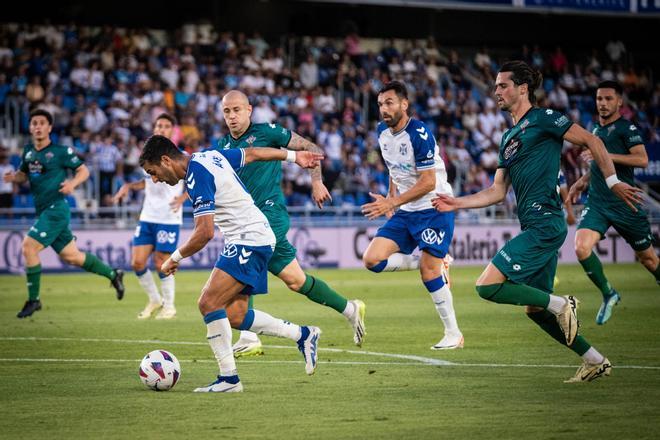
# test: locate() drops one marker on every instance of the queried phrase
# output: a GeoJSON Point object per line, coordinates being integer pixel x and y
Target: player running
{"type": "Point", "coordinates": [263, 182]}
{"type": "Point", "coordinates": [45, 166]}
{"type": "Point", "coordinates": [626, 149]}
{"type": "Point", "coordinates": [157, 233]}
{"type": "Point", "coordinates": [219, 197]}
{"type": "Point", "coordinates": [416, 172]}
{"type": "Point", "coordinates": [522, 272]}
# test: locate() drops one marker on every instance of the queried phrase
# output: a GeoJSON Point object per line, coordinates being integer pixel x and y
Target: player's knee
{"type": "Point", "coordinates": [139, 266]}
{"type": "Point", "coordinates": [373, 263]}
{"type": "Point", "coordinates": [28, 249]}
{"type": "Point", "coordinates": [582, 250]}
{"type": "Point", "coordinates": [488, 291]}
{"type": "Point", "coordinates": [649, 262]}
{"type": "Point", "coordinates": [73, 259]}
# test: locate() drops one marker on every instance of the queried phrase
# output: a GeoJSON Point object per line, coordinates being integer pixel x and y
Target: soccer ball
{"type": "Point", "coordinates": [160, 370]}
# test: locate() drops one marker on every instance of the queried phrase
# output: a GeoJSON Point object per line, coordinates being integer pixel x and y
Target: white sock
{"type": "Point", "coordinates": [218, 333]}
{"type": "Point", "coordinates": [349, 310]}
{"type": "Point", "coordinates": [264, 324]}
{"type": "Point", "coordinates": [593, 357]}
{"type": "Point", "coordinates": [167, 287]}
{"type": "Point", "coordinates": [399, 261]}
{"type": "Point", "coordinates": [444, 305]}
{"type": "Point", "coordinates": [556, 304]}
{"type": "Point", "coordinates": [248, 336]}
{"type": "Point", "coordinates": [149, 285]}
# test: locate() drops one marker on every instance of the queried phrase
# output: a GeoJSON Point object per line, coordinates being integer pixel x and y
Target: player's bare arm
{"type": "Point", "coordinates": [126, 188]}
{"type": "Point", "coordinates": [580, 185]}
{"type": "Point", "coordinates": [178, 201]}
{"type": "Point", "coordinates": [203, 232]}
{"type": "Point", "coordinates": [15, 177]}
{"type": "Point", "coordinates": [489, 196]}
{"type": "Point", "coordinates": [636, 158]}
{"type": "Point", "coordinates": [320, 193]}
{"type": "Point", "coordinates": [81, 174]}
{"type": "Point", "coordinates": [383, 205]}
{"type": "Point", "coordinates": [579, 136]}
{"type": "Point", "coordinates": [304, 159]}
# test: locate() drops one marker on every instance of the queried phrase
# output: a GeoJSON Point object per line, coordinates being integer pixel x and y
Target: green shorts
{"type": "Point", "coordinates": [52, 227]}
{"type": "Point", "coordinates": [284, 252]}
{"type": "Point", "coordinates": [634, 227]}
{"type": "Point", "coordinates": [531, 257]}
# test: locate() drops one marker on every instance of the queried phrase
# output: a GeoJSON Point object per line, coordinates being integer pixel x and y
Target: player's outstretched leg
{"type": "Point", "coordinates": [218, 333]}
{"type": "Point", "coordinates": [594, 365]}
{"type": "Point", "coordinates": [307, 337]}
{"type": "Point", "coordinates": [594, 270]}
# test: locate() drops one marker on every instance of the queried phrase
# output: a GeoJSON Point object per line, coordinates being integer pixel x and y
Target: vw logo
{"type": "Point", "coordinates": [431, 237]}
{"type": "Point", "coordinates": [230, 251]}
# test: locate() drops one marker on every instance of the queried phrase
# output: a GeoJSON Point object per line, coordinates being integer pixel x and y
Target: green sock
{"type": "Point", "coordinates": [94, 265]}
{"type": "Point", "coordinates": [319, 292]}
{"type": "Point", "coordinates": [548, 322]}
{"type": "Point", "coordinates": [517, 294]}
{"type": "Point", "coordinates": [594, 269]}
{"type": "Point", "coordinates": [33, 281]}
{"type": "Point", "coordinates": [656, 274]}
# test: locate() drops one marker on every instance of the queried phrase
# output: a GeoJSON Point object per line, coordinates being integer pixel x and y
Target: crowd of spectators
{"type": "Point", "coordinates": [105, 86]}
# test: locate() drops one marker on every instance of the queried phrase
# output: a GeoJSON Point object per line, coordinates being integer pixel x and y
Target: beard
{"type": "Point", "coordinates": [394, 119]}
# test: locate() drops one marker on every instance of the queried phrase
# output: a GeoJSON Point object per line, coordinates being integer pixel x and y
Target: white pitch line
{"type": "Point", "coordinates": [417, 360]}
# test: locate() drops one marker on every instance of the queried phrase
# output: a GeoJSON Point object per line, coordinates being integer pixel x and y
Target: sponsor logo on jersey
{"type": "Point", "coordinates": [245, 256]}
{"type": "Point", "coordinates": [217, 161]}
{"type": "Point", "coordinates": [429, 154]}
{"type": "Point", "coordinates": [549, 112]}
{"type": "Point", "coordinates": [35, 167]}
{"type": "Point", "coordinates": [171, 237]}
{"type": "Point", "coordinates": [28, 155]}
{"type": "Point", "coordinates": [524, 125]}
{"type": "Point", "coordinates": [230, 251]}
{"type": "Point", "coordinates": [161, 236]}
{"type": "Point", "coordinates": [227, 145]}
{"type": "Point", "coordinates": [431, 237]}
{"type": "Point", "coordinates": [250, 140]}
{"type": "Point", "coordinates": [272, 126]}
{"type": "Point", "coordinates": [512, 148]}
{"type": "Point", "coordinates": [561, 121]}
{"type": "Point", "coordinates": [633, 128]}
{"type": "Point", "coordinates": [516, 267]}
{"type": "Point", "coordinates": [505, 255]}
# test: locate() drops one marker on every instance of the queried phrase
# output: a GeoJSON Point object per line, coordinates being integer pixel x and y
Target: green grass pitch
{"type": "Point", "coordinates": [70, 371]}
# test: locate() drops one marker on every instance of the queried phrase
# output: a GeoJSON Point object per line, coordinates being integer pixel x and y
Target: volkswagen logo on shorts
{"type": "Point", "coordinates": [229, 251]}
{"type": "Point", "coordinates": [161, 236]}
{"type": "Point", "coordinates": [431, 237]}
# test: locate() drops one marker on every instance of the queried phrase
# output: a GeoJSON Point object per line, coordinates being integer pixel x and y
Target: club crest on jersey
{"type": "Point", "coordinates": [512, 148]}
{"type": "Point", "coordinates": [431, 237]}
{"type": "Point", "coordinates": [230, 251]}
{"type": "Point", "coordinates": [49, 156]}
{"type": "Point", "coordinates": [250, 140]}
{"type": "Point", "coordinates": [403, 149]}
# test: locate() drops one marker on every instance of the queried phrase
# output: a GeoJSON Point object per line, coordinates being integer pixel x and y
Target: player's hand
{"type": "Point", "coordinates": [308, 159]}
{"type": "Point", "coordinates": [169, 267]}
{"type": "Point", "coordinates": [629, 194]}
{"type": "Point", "coordinates": [576, 189]}
{"type": "Point", "coordinates": [320, 193]}
{"type": "Point", "coordinates": [66, 187]}
{"type": "Point", "coordinates": [380, 206]}
{"type": "Point", "coordinates": [586, 156]}
{"type": "Point", "coordinates": [176, 203]}
{"type": "Point", "coordinates": [119, 195]}
{"type": "Point", "coordinates": [8, 177]}
{"type": "Point", "coordinates": [444, 203]}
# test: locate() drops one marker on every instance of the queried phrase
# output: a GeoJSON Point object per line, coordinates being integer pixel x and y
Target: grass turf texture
{"type": "Point", "coordinates": [352, 395]}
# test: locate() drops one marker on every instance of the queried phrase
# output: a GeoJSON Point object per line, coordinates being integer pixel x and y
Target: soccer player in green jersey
{"type": "Point", "coordinates": [262, 180]}
{"type": "Point", "coordinates": [522, 272]}
{"type": "Point", "coordinates": [45, 165]}
{"type": "Point", "coordinates": [602, 210]}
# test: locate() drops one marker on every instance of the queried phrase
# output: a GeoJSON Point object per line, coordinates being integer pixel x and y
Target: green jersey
{"type": "Point", "coordinates": [619, 137]}
{"type": "Point", "coordinates": [531, 153]}
{"type": "Point", "coordinates": [262, 179]}
{"type": "Point", "coordinates": [46, 170]}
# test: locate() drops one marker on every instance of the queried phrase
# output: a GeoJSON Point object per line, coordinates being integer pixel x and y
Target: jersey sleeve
{"type": "Point", "coordinates": [554, 122]}
{"type": "Point", "coordinates": [70, 159]}
{"type": "Point", "coordinates": [276, 136]}
{"type": "Point", "coordinates": [632, 137]}
{"type": "Point", "coordinates": [235, 157]}
{"type": "Point", "coordinates": [423, 144]}
{"type": "Point", "coordinates": [201, 189]}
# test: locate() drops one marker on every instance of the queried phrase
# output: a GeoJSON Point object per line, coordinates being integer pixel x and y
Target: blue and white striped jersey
{"type": "Point", "coordinates": [215, 189]}
{"type": "Point", "coordinates": [406, 153]}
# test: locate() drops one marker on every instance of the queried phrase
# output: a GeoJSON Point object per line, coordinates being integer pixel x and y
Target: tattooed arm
{"type": "Point", "coordinates": [320, 193]}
